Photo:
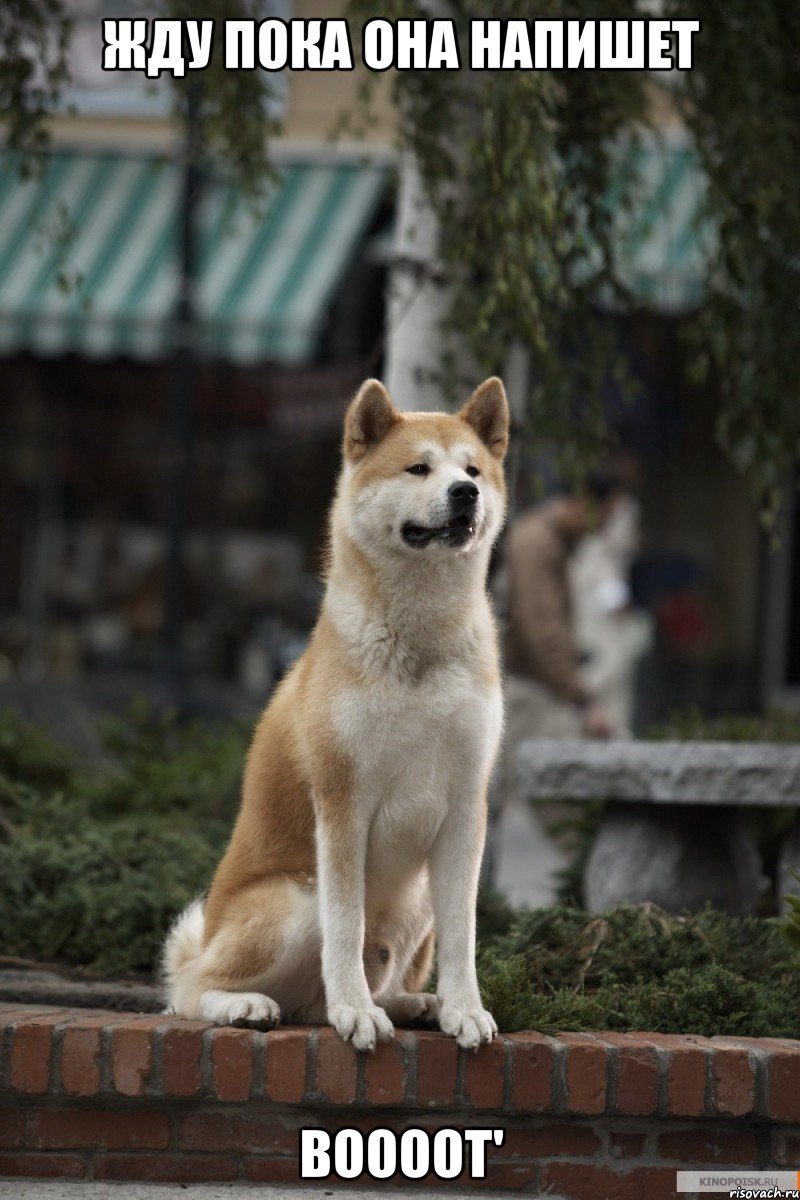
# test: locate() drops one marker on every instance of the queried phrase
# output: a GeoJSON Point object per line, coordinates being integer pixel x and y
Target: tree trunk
{"type": "Point", "coordinates": [417, 301]}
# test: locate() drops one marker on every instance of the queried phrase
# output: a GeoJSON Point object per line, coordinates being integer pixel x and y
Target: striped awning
{"type": "Point", "coordinates": [663, 245]}
{"type": "Point", "coordinates": [89, 257]}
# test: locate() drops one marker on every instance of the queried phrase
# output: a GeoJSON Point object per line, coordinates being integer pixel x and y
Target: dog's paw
{"type": "Point", "coordinates": [364, 1027]}
{"type": "Point", "coordinates": [469, 1026]}
{"type": "Point", "coordinates": [250, 1009]}
{"type": "Point", "coordinates": [413, 1006]}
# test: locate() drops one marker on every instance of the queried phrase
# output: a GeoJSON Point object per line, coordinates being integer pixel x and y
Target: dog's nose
{"type": "Point", "coordinates": [462, 494]}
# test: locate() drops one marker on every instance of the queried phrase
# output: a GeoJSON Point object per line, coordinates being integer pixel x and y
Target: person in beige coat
{"type": "Point", "coordinates": [545, 694]}
{"type": "Point", "coordinates": [545, 688]}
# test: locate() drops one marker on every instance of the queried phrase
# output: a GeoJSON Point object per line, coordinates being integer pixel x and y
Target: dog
{"type": "Point", "coordinates": [363, 812]}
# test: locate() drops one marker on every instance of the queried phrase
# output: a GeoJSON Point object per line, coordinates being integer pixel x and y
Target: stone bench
{"type": "Point", "coordinates": [672, 832]}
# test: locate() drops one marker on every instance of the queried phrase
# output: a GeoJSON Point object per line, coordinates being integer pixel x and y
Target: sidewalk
{"type": "Point", "coordinates": [26, 1189]}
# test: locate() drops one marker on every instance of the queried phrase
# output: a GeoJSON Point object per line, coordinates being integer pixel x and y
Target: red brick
{"type": "Point", "coordinates": [385, 1073]}
{"type": "Point", "coordinates": [626, 1145]}
{"type": "Point", "coordinates": [437, 1063]}
{"type": "Point", "coordinates": [709, 1147]}
{"type": "Point", "coordinates": [673, 1041]}
{"type": "Point", "coordinates": [687, 1071]}
{"type": "Point", "coordinates": [582, 1181]}
{"type": "Point", "coordinates": [12, 1128]}
{"type": "Point", "coordinates": [585, 1074]}
{"type": "Point", "coordinates": [637, 1074]}
{"type": "Point", "coordinates": [220, 1132]}
{"type": "Point", "coordinates": [548, 1141]}
{"type": "Point", "coordinates": [484, 1072]}
{"type": "Point", "coordinates": [658, 1183]}
{"type": "Point", "coordinates": [232, 1063]}
{"type": "Point", "coordinates": [74, 1129]}
{"type": "Point", "coordinates": [182, 1048]}
{"type": "Point", "coordinates": [688, 1056]}
{"type": "Point", "coordinates": [532, 1059]}
{"type": "Point", "coordinates": [785, 1148]}
{"type": "Point", "coordinates": [784, 1085]}
{"type": "Point", "coordinates": [734, 1083]}
{"type": "Point", "coordinates": [80, 1061]}
{"type": "Point", "coordinates": [376, 1119]}
{"type": "Point", "coordinates": [42, 1166]}
{"type": "Point", "coordinates": [166, 1168]}
{"type": "Point", "coordinates": [751, 1043]}
{"type": "Point", "coordinates": [286, 1065]}
{"type": "Point", "coordinates": [274, 1170]}
{"type": "Point", "coordinates": [132, 1057]}
{"type": "Point", "coordinates": [10, 1014]}
{"type": "Point", "coordinates": [337, 1067]}
{"type": "Point", "coordinates": [31, 1054]}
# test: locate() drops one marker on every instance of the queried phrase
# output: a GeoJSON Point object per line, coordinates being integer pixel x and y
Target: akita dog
{"type": "Point", "coordinates": [364, 799]}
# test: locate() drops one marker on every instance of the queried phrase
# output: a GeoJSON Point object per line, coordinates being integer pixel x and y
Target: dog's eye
{"type": "Point", "coordinates": [419, 469]}
{"type": "Point", "coordinates": [472, 471]}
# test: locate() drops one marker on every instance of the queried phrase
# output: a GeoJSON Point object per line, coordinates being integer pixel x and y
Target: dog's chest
{"type": "Point", "coordinates": [393, 731]}
{"type": "Point", "coordinates": [416, 750]}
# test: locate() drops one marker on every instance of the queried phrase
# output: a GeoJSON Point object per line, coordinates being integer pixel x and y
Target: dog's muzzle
{"type": "Point", "coordinates": [462, 498]}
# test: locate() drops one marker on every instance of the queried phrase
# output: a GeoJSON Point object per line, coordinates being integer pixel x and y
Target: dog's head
{"type": "Point", "coordinates": [424, 484]}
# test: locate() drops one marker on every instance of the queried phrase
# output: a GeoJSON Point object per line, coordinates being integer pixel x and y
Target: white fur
{"type": "Point", "coordinates": [239, 1008]}
{"type": "Point", "coordinates": [184, 942]}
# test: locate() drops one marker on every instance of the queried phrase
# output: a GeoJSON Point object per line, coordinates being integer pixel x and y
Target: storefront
{"type": "Point", "coordinates": [289, 314]}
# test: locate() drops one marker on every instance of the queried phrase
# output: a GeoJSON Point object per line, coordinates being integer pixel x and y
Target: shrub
{"type": "Point", "coordinates": [637, 968]}
{"type": "Point", "coordinates": [159, 765]}
{"type": "Point", "coordinates": [27, 754]}
{"type": "Point", "coordinates": [95, 863]}
{"type": "Point", "coordinates": [100, 894]}
{"type": "Point", "coordinates": [691, 725]}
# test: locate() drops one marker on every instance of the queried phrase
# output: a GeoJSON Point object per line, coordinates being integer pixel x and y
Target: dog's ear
{"type": "Point", "coordinates": [487, 412]}
{"type": "Point", "coordinates": [369, 418]}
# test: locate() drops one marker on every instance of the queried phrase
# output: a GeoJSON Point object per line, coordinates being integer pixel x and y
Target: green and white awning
{"type": "Point", "coordinates": [88, 257]}
{"type": "Point", "coordinates": [663, 245]}
{"type": "Point", "coordinates": [89, 251]}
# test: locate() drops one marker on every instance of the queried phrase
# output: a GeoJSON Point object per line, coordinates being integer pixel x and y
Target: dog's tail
{"type": "Point", "coordinates": [182, 951]}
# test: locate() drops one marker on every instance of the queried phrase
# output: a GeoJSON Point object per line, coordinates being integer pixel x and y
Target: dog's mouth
{"type": "Point", "coordinates": [456, 532]}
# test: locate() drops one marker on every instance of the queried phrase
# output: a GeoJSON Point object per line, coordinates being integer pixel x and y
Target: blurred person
{"type": "Point", "coordinates": [611, 634]}
{"type": "Point", "coordinates": [547, 695]}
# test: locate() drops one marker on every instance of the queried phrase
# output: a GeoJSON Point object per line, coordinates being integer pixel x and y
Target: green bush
{"type": "Point", "coordinates": [100, 895]}
{"type": "Point", "coordinates": [95, 862]}
{"type": "Point", "coordinates": [30, 756]}
{"type": "Point", "coordinates": [637, 968]}
{"type": "Point", "coordinates": [160, 765]}
{"type": "Point", "coordinates": [691, 725]}
{"type": "Point", "coordinates": [710, 1002]}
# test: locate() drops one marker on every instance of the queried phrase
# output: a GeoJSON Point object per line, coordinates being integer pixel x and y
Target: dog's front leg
{"type": "Point", "coordinates": [454, 866]}
{"type": "Point", "coordinates": [341, 857]}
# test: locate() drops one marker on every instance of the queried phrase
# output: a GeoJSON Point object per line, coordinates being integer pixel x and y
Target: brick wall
{"type": "Point", "coordinates": [102, 1095]}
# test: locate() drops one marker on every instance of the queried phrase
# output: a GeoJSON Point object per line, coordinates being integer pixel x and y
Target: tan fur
{"type": "Point", "coordinates": [304, 772]}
